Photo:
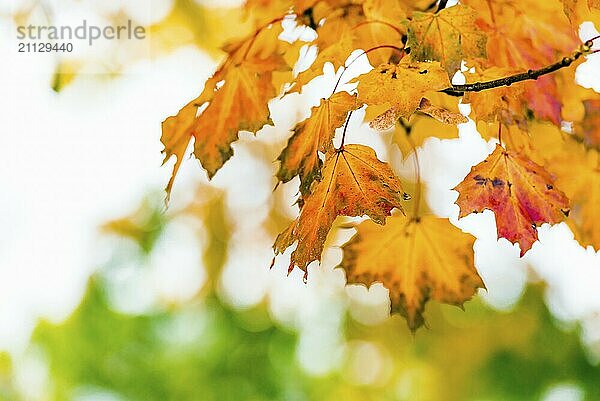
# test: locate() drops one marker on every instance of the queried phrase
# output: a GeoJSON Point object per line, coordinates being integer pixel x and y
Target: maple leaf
{"type": "Point", "coordinates": [351, 26]}
{"type": "Point", "coordinates": [334, 43]}
{"type": "Point", "coordinates": [521, 194]}
{"type": "Point", "coordinates": [177, 132]}
{"type": "Point", "coordinates": [237, 96]}
{"type": "Point", "coordinates": [401, 87]}
{"type": "Point", "coordinates": [355, 183]}
{"type": "Point", "coordinates": [417, 259]}
{"type": "Point", "coordinates": [383, 25]}
{"type": "Point", "coordinates": [241, 104]}
{"type": "Point", "coordinates": [518, 37]}
{"type": "Point", "coordinates": [577, 172]}
{"type": "Point", "coordinates": [589, 128]}
{"type": "Point", "coordinates": [504, 104]}
{"type": "Point", "coordinates": [579, 11]}
{"type": "Point", "coordinates": [440, 114]}
{"type": "Point", "coordinates": [448, 36]}
{"type": "Point", "coordinates": [311, 136]}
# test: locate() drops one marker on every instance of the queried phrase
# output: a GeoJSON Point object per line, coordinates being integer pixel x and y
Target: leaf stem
{"type": "Point", "coordinates": [459, 90]}
{"type": "Point", "coordinates": [417, 197]}
{"type": "Point", "coordinates": [407, 127]}
{"type": "Point", "coordinates": [344, 132]}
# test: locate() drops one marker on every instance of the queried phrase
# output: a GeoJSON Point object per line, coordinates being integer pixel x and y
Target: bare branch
{"type": "Point", "coordinates": [459, 90]}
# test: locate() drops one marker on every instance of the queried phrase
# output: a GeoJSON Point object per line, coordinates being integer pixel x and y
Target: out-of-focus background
{"type": "Point", "coordinates": [107, 296]}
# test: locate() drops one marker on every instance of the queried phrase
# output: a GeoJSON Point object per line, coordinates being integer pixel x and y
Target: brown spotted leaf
{"type": "Point", "coordinates": [401, 87]}
{"type": "Point", "coordinates": [417, 260]}
{"type": "Point", "coordinates": [521, 194]}
{"type": "Point", "coordinates": [355, 183]}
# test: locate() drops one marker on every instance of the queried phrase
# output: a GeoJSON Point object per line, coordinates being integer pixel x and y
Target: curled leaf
{"type": "Point", "coordinates": [441, 114]}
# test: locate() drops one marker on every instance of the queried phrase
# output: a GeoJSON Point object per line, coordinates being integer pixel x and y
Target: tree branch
{"type": "Point", "coordinates": [459, 90]}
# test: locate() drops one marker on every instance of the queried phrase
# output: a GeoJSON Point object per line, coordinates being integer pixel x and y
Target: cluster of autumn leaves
{"type": "Point", "coordinates": [546, 170]}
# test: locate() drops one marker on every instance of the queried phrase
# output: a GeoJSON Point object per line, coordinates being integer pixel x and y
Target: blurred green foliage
{"type": "Point", "coordinates": [206, 350]}
{"type": "Point", "coordinates": [201, 351]}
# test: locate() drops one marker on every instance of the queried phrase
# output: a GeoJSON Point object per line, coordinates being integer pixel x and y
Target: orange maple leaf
{"type": "Point", "coordinates": [519, 192]}
{"type": "Point", "coordinates": [236, 97]}
{"type": "Point", "coordinates": [311, 136]}
{"type": "Point", "coordinates": [351, 26]}
{"type": "Point", "coordinates": [579, 11]}
{"type": "Point", "coordinates": [504, 104]}
{"type": "Point", "coordinates": [527, 34]}
{"type": "Point", "coordinates": [355, 183]}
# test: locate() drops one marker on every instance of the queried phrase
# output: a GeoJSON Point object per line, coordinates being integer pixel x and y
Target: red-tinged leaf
{"type": "Point", "coordinates": [521, 194]}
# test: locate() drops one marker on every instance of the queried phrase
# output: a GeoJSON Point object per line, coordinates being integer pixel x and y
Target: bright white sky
{"type": "Point", "coordinates": [79, 158]}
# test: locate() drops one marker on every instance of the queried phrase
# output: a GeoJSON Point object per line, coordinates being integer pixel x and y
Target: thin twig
{"type": "Point", "coordinates": [459, 90]}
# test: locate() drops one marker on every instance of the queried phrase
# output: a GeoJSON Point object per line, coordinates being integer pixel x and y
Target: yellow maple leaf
{"type": "Point", "coordinates": [351, 26]}
{"type": "Point", "coordinates": [448, 36]}
{"type": "Point", "coordinates": [577, 172]}
{"type": "Point", "coordinates": [417, 259]}
{"type": "Point", "coordinates": [408, 136]}
{"type": "Point", "coordinates": [311, 136]}
{"type": "Point", "coordinates": [355, 183]}
{"type": "Point", "coordinates": [383, 25]}
{"type": "Point", "coordinates": [401, 87]}
{"type": "Point", "coordinates": [240, 105]}
{"type": "Point", "coordinates": [589, 128]}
